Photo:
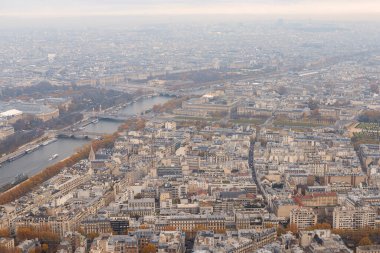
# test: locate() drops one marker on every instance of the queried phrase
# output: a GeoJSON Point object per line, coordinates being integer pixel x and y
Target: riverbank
{"type": "Point", "coordinates": [32, 163]}
{"type": "Point", "coordinates": [31, 146]}
{"type": "Point", "coordinates": [44, 175]}
{"type": "Point", "coordinates": [107, 141]}
{"type": "Point", "coordinates": [24, 149]}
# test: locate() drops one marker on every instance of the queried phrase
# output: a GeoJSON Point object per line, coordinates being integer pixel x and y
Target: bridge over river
{"type": "Point", "coordinates": [114, 116]}
{"type": "Point", "coordinates": [80, 134]}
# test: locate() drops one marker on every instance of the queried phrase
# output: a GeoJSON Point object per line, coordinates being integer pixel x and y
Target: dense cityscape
{"type": "Point", "coordinates": [224, 137]}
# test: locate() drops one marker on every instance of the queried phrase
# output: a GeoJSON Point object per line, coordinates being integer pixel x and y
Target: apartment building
{"type": "Point", "coordinates": [353, 217]}
{"type": "Point", "coordinates": [194, 222]}
{"type": "Point", "coordinates": [303, 217]}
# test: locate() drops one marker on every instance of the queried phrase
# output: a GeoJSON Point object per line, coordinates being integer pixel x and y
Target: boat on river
{"type": "Point", "coordinates": [53, 157]}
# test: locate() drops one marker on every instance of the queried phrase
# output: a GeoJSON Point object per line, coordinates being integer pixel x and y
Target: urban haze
{"type": "Point", "coordinates": [174, 126]}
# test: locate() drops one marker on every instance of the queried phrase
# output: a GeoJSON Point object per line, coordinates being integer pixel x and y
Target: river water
{"type": "Point", "coordinates": [106, 126]}
{"type": "Point", "coordinates": [32, 163]}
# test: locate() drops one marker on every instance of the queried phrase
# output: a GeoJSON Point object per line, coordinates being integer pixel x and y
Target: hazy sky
{"type": "Point", "coordinates": [67, 8]}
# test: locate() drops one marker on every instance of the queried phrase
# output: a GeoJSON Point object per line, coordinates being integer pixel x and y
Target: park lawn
{"type": "Point", "coordinates": [298, 123]}
{"type": "Point", "coordinates": [255, 121]}
{"type": "Point", "coordinates": [370, 126]}
{"type": "Point", "coordinates": [188, 118]}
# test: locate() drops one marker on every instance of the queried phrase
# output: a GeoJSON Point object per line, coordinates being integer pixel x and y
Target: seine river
{"type": "Point", "coordinates": [32, 163]}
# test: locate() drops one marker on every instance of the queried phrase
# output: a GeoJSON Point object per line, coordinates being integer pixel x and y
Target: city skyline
{"type": "Point", "coordinates": [57, 8]}
{"type": "Point", "coordinates": [178, 126]}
